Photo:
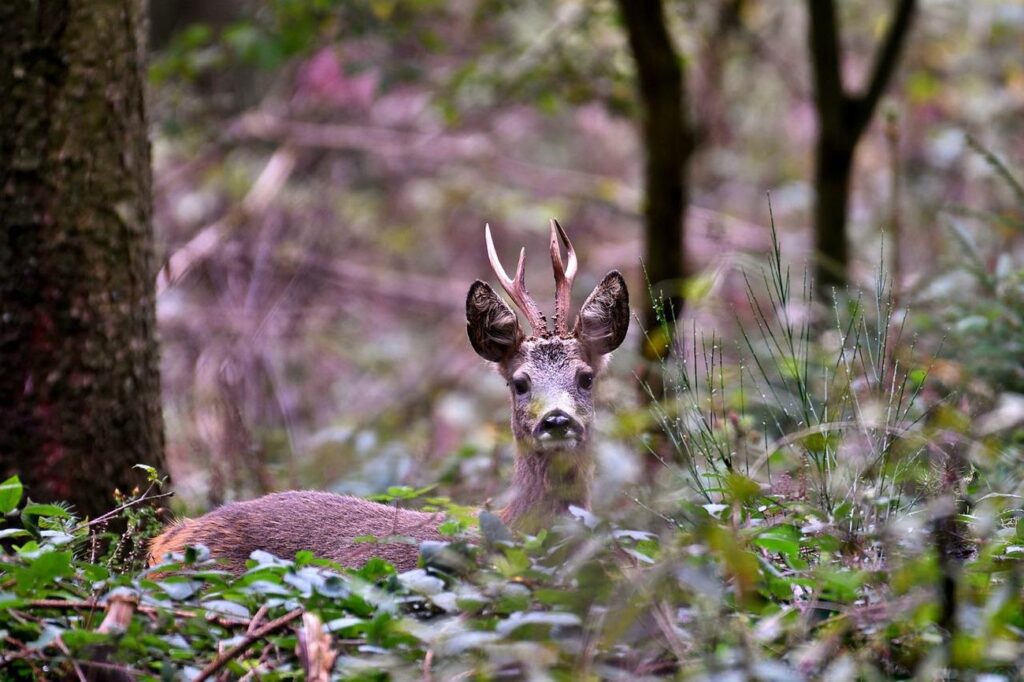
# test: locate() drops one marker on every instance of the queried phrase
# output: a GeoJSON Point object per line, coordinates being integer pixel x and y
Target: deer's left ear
{"type": "Point", "coordinates": [604, 318]}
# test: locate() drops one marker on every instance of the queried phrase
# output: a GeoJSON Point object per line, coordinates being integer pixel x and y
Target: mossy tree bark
{"type": "Point", "coordinates": [79, 376]}
{"type": "Point", "coordinates": [668, 145]}
{"type": "Point", "coordinates": [842, 120]}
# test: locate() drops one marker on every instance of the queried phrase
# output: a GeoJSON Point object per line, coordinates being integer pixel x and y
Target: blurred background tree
{"type": "Point", "coordinates": [80, 385]}
{"type": "Point", "coordinates": [842, 121]}
{"type": "Point", "coordinates": [668, 145]}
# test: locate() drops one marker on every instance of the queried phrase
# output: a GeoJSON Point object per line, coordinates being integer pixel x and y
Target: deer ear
{"type": "Point", "coordinates": [493, 328]}
{"type": "Point", "coordinates": [604, 318]}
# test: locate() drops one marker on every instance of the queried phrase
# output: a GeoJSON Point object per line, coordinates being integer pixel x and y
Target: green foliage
{"type": "Point", "coordinates": [590, 597]}
{"type": "Point", "coordinates": [281, 30]}
{"type": "Point", "coordinates": [823, 512]}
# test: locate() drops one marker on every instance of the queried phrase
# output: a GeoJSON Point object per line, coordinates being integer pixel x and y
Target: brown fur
{"type": "Point", "coordinates": [286, 523]}
{"type": "Point", "coordinates": [549, 476]}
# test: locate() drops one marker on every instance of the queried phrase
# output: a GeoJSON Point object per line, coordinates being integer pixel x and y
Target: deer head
{"type": "Point", "coordinates": [551, 376]}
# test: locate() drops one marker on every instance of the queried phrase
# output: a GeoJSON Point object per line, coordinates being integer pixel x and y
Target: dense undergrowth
{"type": "Point", "coordinates": [824, 507]}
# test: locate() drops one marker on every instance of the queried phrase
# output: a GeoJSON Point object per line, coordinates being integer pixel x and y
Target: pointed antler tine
{"type": "Point", "coordinates": [564, 276]}
{"type": "Point", "coordinates": [572, 264]}
{"type": "Point", "coordinates": [521, 269]}
{"type": "Point", "coordinates": [492, 256]}
{"type": "Point", "coordinates": [516, 289]}
{"type": "Point", "coordinates": [556, 253]}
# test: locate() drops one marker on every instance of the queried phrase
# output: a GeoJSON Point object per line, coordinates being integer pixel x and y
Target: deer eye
{"type": "Point", "coordinates": [521, 385]}
{"type": "Point", "coordinates": [585, 380]}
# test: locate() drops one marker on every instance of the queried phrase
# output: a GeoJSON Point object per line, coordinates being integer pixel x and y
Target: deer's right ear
{"type": "Point", "coordinates": [493, 328]}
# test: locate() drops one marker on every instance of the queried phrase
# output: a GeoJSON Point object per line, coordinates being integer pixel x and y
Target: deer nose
{"type": "Point", "coordinates": [557, 422]}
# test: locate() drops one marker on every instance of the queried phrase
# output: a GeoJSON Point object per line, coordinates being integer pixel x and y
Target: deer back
{"type": "Point", "coordinates": [289, 522]}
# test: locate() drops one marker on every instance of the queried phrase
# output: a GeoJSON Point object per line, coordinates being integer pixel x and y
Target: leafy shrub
{"type": "Point", "coordinates": [824, 509]}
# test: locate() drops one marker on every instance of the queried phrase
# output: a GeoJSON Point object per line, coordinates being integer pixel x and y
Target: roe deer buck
{"type": "Point", "coordinates": [550, 376]}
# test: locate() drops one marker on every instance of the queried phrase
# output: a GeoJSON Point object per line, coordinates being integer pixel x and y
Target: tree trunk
{"type": "Point", "coordinates": [79, 386]}
{"type": "Point", "coordinates": [668, 143]}
{"type": "Point", "coordinates": [833, 171]}
{"type": "Point", "coordinates": [842, 120]}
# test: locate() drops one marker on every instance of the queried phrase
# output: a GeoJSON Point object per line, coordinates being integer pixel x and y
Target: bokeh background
{"type": "Point", "coordinates": [324, 170]}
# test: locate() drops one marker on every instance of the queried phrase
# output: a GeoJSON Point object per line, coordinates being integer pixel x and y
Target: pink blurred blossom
{"type": "Point", "coordinates": [322, 79]}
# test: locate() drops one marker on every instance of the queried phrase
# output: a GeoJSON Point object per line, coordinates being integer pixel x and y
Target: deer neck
{"type": "Point", "coordinates": [545, 484]}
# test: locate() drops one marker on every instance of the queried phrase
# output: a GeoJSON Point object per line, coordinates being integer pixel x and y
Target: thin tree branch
{"type": "Point", "coordinates": [146, 497]}
{"type": "Point", "coordinates": [886, 59]}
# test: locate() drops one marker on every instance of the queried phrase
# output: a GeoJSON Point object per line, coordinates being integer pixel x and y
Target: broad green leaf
{"type": "Point", "coordinates": [784, 539]}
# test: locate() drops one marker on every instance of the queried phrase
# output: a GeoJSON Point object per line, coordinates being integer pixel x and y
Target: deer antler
{"type": "Point", "coordinates": [564, 276]}
{"type": "Point", "coordinates": [517, 289]}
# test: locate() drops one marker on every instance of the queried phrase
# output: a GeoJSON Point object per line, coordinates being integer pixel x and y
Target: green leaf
{"type": "Point", "coordinates": [840, 585]}
{"type": "Point", "coordinates": [151, 473]}
{"type": "Point", "coordinates": [375, 569]}
{"type": "Point", "coordinates": [93, 571]}
{"type": "Point", "coordinates": [43, 570]}
{"type": "Point", "coordinates": [10, 494]}
{"type": "Point", "coordinates": [76, 639]}
{"type": "Point", "coordinates": [784, 539]}
{"type": "Point", "coordinates": [47, 510]}
{"type": "Point", "coordinates": [514, 563]}
{"type": "Point", "coordinates": [451, 528]}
